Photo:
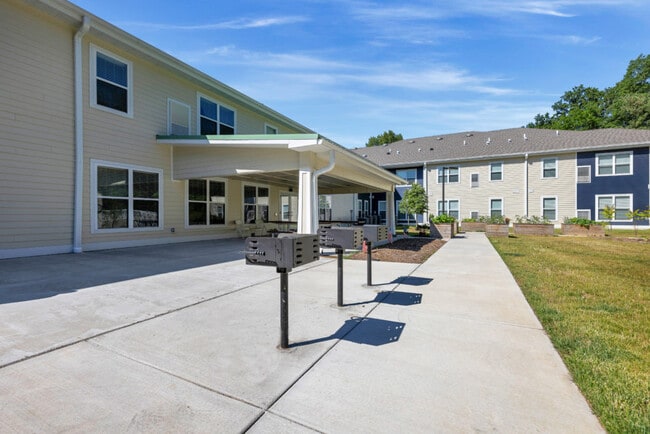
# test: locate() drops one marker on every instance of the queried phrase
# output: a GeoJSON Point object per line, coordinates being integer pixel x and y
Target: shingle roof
{"type": "Point", "coordinates": [477, 145]}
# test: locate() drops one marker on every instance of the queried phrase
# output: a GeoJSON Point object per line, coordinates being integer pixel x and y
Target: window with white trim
{"type": "Point", "coordinates": [450, 174]}
{"type": "Point", "coordinates": [584, 174]}
{"type": "Point", "coordinates": [125, 197]}
{"type": "Point", "coordinates": [409, 175]}
{"type": "Point", "coordinates": [584, 214]}
{"type": "Point", "coordinates": [269, 129]}
{"type": "Point", "coordinates": [111, 82]}
{"type": "Point", "coordinates": [215, 118]}
{"type": "Point", "coordinates": [549, 208]}
{"type": "Point", "coordinates": [452, 208]}
{"type": "Point", "coordinates": [549, 168]}
{"type": "Point", "coordinates": [206, 202]}
{"type": "Point", "coordinates": [496, 207]}
{"type": "Point", "coordinates": [496, 171]}
{"type": "Point", "coordinates": [622, 204]}
{"type": "Point", "coordinates": [256, 204]}
{"type": "Point", "coordinates": [178, 118]}
{"type": "Point", "coordinates": [614, 163]}
{"type": "Point", "coordinates": [474, 177]}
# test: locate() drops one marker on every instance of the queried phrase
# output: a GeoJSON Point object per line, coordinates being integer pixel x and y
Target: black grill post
{"type": "Point", "coordinates": [369, 263]}
{"type": "Point", "coordinates": [339, 263]}
{"type": "Point", "coordinates": [284, 307]}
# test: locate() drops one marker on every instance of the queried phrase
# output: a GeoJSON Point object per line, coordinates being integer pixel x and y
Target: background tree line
{"type": "Point", "coordinates": [625, 105]}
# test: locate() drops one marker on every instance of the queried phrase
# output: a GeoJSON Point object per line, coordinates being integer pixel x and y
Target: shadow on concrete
{"type": "Point", "coordinates": [407, 280]}
{"type": "Point", "coordinates": [367, 331]}
{"type": "Point", "coordinates": [397, 298]}
{"type": "Point", "coordinates": [23, 279]}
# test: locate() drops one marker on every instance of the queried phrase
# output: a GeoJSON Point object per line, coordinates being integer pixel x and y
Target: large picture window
{"type": "Point", "coordinates": [215, 118]}
{"type": "Point", "coordinates": [256, 204]}
{"type": "Point", "coordinates": [206, 202]}
{"type": "Point", "coordinates": [622, 204]}
{"type": "Point", "coordinates": [111, 80]}
{"type": "Point", "coordinates": [125, 197]}
{"type": "Point", "coordinates": [614, 163]}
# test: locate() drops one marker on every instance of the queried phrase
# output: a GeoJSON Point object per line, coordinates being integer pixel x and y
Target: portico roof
{"type": "Point", "coordinates": [276, 159]}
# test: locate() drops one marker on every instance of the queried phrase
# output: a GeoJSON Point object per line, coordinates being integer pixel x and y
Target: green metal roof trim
{"type": "Point", "coordinates": [261, 137]}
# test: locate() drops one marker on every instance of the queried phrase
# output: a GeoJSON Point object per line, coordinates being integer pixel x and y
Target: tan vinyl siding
{"type": "Point", "coordinates": [510, 188]}
{"type": "Point", "coordinates": [563, 186]}
{"type": "Point", "coordinates": [36, 168]}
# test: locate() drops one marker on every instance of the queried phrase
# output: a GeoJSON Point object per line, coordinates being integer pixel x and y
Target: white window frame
{"type": "Point", "coordinates": [578, 181]}
{"type": "Point", "coordinates": [587, 211]}
{"type": "Point", "coordinates": [500, 163]}
{"type": "Point", "coordinates": [268, 127]}
{"type": "Point", "coordinates": [439, 173]}
{"type": "Point", "coordinates": [447, 209]}
{"type": "Point", "coordinates": [556, 168]}
{"type": "Point", "coordinates": [614, 196]}
{"type": "Point", "coordinates": [170, 103]}
{"type": "Point", "coordinates": [200, 96]}
{"type": "Point", "coordinates": [93, 82]}
{"type": "Point", "coordinates": [471, 180]}
{"type": "Point", "coordinates": [614, 156]}
{"type": "Point", "coordinates": [208, 201]}
{"type": "Point", "coordinates": [257, 204]}
{"type": "Point", "coordinates": [541, 206]}
{"type": "Point", "coordinates": [503, 212]}
{"type": "Point", "coordinates": [94, 165]}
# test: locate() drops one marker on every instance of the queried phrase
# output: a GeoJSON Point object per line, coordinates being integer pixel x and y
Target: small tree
{"type": "Point", "coordinates": [609, 212]}
{"type": "Point", "coordinates": [414, 201]}
{"type": "Point", "coordinates": [636, 216]}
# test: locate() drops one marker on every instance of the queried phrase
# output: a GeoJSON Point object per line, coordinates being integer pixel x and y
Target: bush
{"type": "Point", "coordinates": [494, 220]}
{"type": "Point", "coordinates": [442, 218]}
{"type": "Point", "coordinates": [532, 220]}
{"type": "Point", "coordinates": [580, 221]}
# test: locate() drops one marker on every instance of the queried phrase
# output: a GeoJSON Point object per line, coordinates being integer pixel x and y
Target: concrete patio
{"type": "Point", "coordinates": [184, 338]}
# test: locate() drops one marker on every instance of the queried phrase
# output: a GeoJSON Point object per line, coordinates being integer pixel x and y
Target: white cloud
{"type": "Point", "coordinates": [240, 24]}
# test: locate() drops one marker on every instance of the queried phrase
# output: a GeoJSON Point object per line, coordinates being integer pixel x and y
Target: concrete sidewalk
{"type": "Point", "coordinates": [189, 344]}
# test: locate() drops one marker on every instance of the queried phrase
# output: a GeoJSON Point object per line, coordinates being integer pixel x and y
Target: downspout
{"type": "Point", "coordinates": [425, 182]}
{"type": "Point", "coordinates": [314, 186]}
{"type": "Point", "coordinates": [78, 135]}
{"type": "Point", "coordinates": [526, 184]}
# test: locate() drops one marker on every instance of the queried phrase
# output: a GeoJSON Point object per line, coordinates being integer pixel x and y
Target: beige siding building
{"type": "Point", "coordinates": [109, 142]}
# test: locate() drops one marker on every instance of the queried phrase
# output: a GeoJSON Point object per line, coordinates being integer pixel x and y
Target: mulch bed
{"type": "Point", "coordinates": [413, 250]}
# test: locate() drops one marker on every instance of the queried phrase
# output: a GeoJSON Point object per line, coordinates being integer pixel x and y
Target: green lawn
{"type": "Point", "coordinates": [593, 297]}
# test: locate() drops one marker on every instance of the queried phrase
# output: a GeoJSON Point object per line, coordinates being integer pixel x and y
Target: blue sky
{"type": "Point", "coordinates": [352, 69]}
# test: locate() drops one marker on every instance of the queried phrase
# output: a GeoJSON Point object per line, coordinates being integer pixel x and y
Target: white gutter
{"type": "Point", "coordinates": [78, 136]}
{"type": "Point", "coordinates": [526, 184]}
{"type": "Point", "coordinates": [314, 186]}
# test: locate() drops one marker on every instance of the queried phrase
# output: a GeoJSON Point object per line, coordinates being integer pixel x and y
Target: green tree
{"type": "Point", "coordinates": [609, 212]}
{"type": "Point", "coordinates": [384, 138]}
{"type": "Point", "coordinates": [414, 201]}
{"type": "Point", "coordinates": [625, 105]}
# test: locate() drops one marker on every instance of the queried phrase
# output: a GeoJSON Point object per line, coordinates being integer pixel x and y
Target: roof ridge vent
{"type": "Point", "coordinates": [557, 132]}
{"type": "Point", "coordinates": [509, 140]}
{"type": "Point", "coordinates": [487, 142]}
{"type": "Point", "coordinates": [525, 137]}
{"type": "Point", "coordinates": [464, 142]}
{"type": "Point", "coordinates": [469, 135]}
{"type": "Point", "coordinates": [397, 152]}
{"type": "Point", "coordinates": [411, 141]}
{"type": "Point", "coordinates": [440, 138]}
{"type": "Point", "coordinates": [419, 149]}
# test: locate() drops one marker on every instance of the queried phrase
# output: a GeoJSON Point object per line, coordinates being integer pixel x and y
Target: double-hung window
{"type": "Point", "coordinates": [496, 171]}
{"type": "Point", "coordinates": [178, 118]}
{"type": "Point", "coordinates": [451, 208]}
{"type": "Point", "coordinates": [448, 174]}
{"type": "Point", "coordinates": [549, 208]}
{"type": "Point", "coordinates": [215, 118]}
{"type": "Point", "coordinates": [614, 163]}
{"type": "Point", "coordinates": [496, 207]}
{"type": "Point", "coordinates": [206, 202]}
{"type": "Point", "coordinates": [111, 82]}
{"type": "Point", "coordinates": [549, 168]}
{"type": "Point", "coordinates": [125, 197]}
{"type": "Point", "coordinates": [622, 204]}
{"type": "Point", "coordinates": [256, 204]}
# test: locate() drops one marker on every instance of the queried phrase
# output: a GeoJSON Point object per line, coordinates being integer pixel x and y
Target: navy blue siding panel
{"type": "Point", "coordinates": [636, 184]}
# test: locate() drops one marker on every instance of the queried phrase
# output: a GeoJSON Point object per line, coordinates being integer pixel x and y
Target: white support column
{"type": "Point", "coordinates": [390, 211]}
{"type": "Point", "coordinates": [305, 195]}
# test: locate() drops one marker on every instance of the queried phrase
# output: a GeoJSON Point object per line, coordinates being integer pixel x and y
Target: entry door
{"type": "Point", "coordinates": [288, 206]}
